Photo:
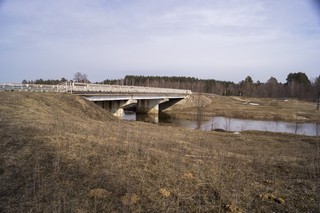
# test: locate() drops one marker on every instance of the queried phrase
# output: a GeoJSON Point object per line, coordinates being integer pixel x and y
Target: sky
{"type": "Point", "coordinates": [225, 40]}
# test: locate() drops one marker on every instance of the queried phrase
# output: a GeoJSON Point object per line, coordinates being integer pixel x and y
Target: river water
{"type": "Point", "coordinates": [229, 124]}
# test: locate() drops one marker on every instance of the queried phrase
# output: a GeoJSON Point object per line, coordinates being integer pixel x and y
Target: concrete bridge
{"type": "Point", "coordinates": [115, 98]}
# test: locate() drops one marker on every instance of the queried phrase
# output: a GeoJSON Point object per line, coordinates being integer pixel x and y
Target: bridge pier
{"type": "Point", "coordinates": [148, 106]}
{"type": "Point", "coordinates": [111, 106]}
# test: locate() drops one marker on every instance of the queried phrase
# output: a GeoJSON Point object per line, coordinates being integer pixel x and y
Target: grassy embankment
{"type": "Point", "coordinates": [60, 153]}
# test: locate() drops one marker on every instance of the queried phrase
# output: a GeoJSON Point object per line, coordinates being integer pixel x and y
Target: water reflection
{"type": "Point", "coordinates": [232, 124]}
{"type": "Point", "coordinates": [229, 124]}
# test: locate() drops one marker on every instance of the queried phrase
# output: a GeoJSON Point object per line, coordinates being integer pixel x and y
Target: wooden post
{"type": "Point", "coordinates": [318, 101]}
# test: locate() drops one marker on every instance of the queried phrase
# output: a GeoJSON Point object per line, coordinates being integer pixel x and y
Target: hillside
{"type": "Point", "coordinates": [60, 153]}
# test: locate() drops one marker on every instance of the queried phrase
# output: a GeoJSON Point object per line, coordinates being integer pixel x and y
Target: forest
{"type": "Point", "coordinates": [297, 85]}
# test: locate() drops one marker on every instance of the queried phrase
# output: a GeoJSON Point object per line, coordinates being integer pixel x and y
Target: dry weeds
{"type": "Point", "coordinates": [60, 153]}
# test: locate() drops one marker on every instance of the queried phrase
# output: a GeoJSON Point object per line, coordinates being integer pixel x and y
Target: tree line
{"type": "Point", "coordinates": [297, 85]}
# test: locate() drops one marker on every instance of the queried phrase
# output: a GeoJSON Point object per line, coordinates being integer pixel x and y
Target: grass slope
{"type": "Point", "coordinates": [60, 153]}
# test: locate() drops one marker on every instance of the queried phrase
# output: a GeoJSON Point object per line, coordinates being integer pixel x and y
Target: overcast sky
{"type": "Point", "coordinates": [108, 39]}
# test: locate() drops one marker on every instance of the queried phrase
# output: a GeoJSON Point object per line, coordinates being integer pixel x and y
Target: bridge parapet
{"type": "Point", "coordinates": [34, 87]}
{"type": "Point", "coordinates": [93, 88]}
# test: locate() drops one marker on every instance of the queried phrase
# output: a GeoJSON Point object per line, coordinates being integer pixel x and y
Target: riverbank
{"type": "Point", "coordinates": [60, 153]}
{"type": "Point", "coordinates": [210, 105]}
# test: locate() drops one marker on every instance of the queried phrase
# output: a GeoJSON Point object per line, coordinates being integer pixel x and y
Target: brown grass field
{"type": "Point", "coordinates": [60, 153]}
{"type": "Point", "coordinates": [248, 108]}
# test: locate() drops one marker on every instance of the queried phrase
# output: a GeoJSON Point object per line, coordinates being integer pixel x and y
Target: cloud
{"type": "Point", "coordinates": [172, 37]}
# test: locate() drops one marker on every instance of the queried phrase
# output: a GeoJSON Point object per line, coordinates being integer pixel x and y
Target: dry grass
{"type": "Point", "coordinates": [249, 108]}
{"type": "Point", "coordinates": [60, 153]}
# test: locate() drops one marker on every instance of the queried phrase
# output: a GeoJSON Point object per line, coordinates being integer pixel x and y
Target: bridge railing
{"type": "Point", "coordinates": [83, 87]}
{"type": "Point", "coordinates": [125, 89]}
{"type": "Point", "coordinates": [34, 87]}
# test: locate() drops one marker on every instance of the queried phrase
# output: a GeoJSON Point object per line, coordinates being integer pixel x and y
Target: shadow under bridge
{"type": "Point", "coordinates": [142, 103]}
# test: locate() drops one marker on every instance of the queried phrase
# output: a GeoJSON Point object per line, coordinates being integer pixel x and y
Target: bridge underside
{"type": "Point", "coordinates": [152, 106]}
{"type": "Point", "coordinates": [141, 103]}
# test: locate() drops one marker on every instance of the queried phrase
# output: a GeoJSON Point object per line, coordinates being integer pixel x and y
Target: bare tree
{"type": "Point", "coordinates": [247, 86]}
{"type": "Point", "coordinates": [272, 87]}
{"type": "Point", "coordinates": [79, 77]}
{"type": "Point", "coordinates": [200, 113]}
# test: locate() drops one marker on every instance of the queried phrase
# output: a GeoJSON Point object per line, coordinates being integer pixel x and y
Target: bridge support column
{"type": "Point", "coordinates": [148, 106]}
{"type": "Point", "coordinates": [111, 106]}
{"type": "Point", "coordinates": [128, 104]}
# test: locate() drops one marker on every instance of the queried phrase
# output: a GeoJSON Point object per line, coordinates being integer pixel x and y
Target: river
{"type": "Point", "coordinates": [229, 124]}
